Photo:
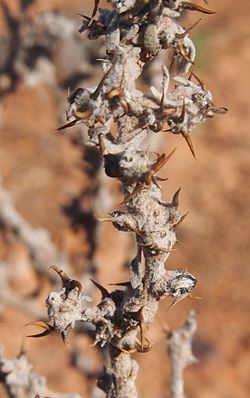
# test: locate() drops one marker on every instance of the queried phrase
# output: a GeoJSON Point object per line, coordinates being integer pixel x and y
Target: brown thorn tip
{"type": "Point", "coordinates": [162, 160]}
{"type": "Point", "coordinates": [194, 7]}
{"type": "Point", "coordinates": [42, 334]}
{"type": "Point", "coordinates": [43, 325]}
{"type": "Point", "coordinates": [182, 218]}
{"type": "Point", "coordinates": [175, 301]}
{"type": "Point", "coordinates": [94, 343]}
{"type": "Point", "coordinates": [96, 4]}
{"type": "Point", "coordinates": [182, 35]}
{"type": "Point", "coordinates": [201, 83]}
{"type": "Point", "coordinates": [183, 53]}
{"type": "Point", "coordinates": [189, 142]}
{"type": "Point", "coordinates": [104, 292]}
{"type": "Point", "coordinates": [64, 277]}
{"type": "Point", "coordinates": [98, 90]}
{"type": "Point", "coordinates": [83, 16]}
{"type": "Point", "coordinates": [161, 178]}
{"type": "Point", "coordinates": [57, 270]}
{"type": "Point", "coordinates": [105, 219]}
{"type": "Point", "coordinates": [167, 130]}
{"type": "Point", "coordinates": [67, 125]}
{"type": "Point", "coordinates": [175, 200]}
{"type": "Point", "coordinates": [191, 296]}
{"type": "Point", "coordinates": [120, 284]}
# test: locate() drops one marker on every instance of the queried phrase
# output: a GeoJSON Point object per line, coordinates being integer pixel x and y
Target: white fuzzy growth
{"type": "Point", "coordinates": [64, 311]}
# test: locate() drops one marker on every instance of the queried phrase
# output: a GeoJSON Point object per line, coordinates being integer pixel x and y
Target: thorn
{"type": "Point", "coordinates": [138, 188]}
{"type": "Point", "coordinates": [161, 178]}
{"type": "Point", "coordinates": [67, 125]}
{"type": "Point", "coordinates": [175, 200]}
{"type": "Point", "coordinates": [44, 325]}
{"type": "Point", "coordinates": [96, 4]}
{"type": "Point", "coordinates": [191, 296]}
{"type": "Point", "coordinates": [104, 292]}
{"type": "Point", "coordinates": [220, 111]}
{"type": "Point", "coordinates": [106, 219]}
{"type": "Point", "coordinates": [185, 5]}
{"type": "Point", "coordinates": [64, 277]}
{"type": "Point", "coordinates": [182, 218]}
{"type": "Point", "coordinates": [120, 284]}
{"type": "Point", "coordinates": [181, 36]}
{"type": "Point", "coordinates": [83, 16]}
{"type": "Point", "coordinates": [98, 89]}
{"type": "Point", "coordinates": [189, 142]}
{"type": "Point", "coordinates": [183, 53]}
{"type": "Point", "coordinates": [130, 351]}
{"type": "Point", "coordinates": [63, 336]}
{"type": "Point", "coordinates": [180, 221]}
{"type": "Point", "coordinates": [175, 301]}
{"type": "Point", "coordinates": [42, 334]}
{"type": "Point", "coordinates": [201, 83]}
{"type": "Point", "coordinates": [67, 283]}
{"type": "Point", "coordinates": [167, 130]}
{"type": "Point", "coordinates": [155, 180]}
{"type": "Point", "coordinates": [114, 219]}
{"type": "Point", "coordinates": [162, 161]}
{"type": "Point", "coordinates": [94, 343]}
{"type": "Point", "coordinates": [144, 348]}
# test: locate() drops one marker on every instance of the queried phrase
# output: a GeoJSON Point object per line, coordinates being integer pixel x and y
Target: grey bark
{"type": "Point", "coordinates": [135, 32]}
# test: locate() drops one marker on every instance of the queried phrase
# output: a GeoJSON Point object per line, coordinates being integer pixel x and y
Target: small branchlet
{"type": "Point", "coordinates": [21, 381]}
{"type": "Point", "coordinates": [180, 354]}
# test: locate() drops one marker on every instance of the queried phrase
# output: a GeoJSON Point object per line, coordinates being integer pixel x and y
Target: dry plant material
{"type": "Point", "coordinates": [21, 381]}
{"type": "Point", "coordinates": [180, 354]}
{"type": "Point", "coordinates": [135, 32]}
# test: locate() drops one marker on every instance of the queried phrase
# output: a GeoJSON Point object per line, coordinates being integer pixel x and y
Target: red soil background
{"type": "Point", "coordinates": [42, 171]}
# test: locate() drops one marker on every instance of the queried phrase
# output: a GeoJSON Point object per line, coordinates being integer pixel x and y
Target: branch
{"type": "Point", "coordinates": [135, 33]}
{"type": "Point", "coordinates": [180, 354]}
{"type": "Point", "coordinates": [21, 382]}
{"type": "Point", "coordinates": [38, 241]}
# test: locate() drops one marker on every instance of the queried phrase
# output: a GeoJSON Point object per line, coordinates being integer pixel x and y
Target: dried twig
{"type": "Point", "coordinates": [20, 381]}
{"type": "Point", "coordinates": [38, 241]}
{"type": "Point", "coordinates": [180, 354]}
{"type": "Point", "coordinates": [135, 32]}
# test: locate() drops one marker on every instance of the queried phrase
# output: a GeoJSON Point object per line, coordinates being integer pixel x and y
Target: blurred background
{"type": "Point", "coordinates": [54, 182]}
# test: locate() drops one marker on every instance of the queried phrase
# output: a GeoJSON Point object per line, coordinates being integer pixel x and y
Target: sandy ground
{"type": "Point", "coordinates": [45, 171]}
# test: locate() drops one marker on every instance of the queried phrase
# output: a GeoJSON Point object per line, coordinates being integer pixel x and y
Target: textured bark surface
{"type": "Point", "coordinates": [135, 32]}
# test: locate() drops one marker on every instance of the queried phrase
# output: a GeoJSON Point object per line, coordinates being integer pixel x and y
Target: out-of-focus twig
{"type": "Point", "coordinates": [37, 240]}
{"type": "Point", "coordinates": [20, 381]}
{"type": "Point", "coordinates": [180, 354]}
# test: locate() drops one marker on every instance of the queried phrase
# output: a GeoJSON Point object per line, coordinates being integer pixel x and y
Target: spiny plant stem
{"type": "Point", "coordinates": [135, 33]}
